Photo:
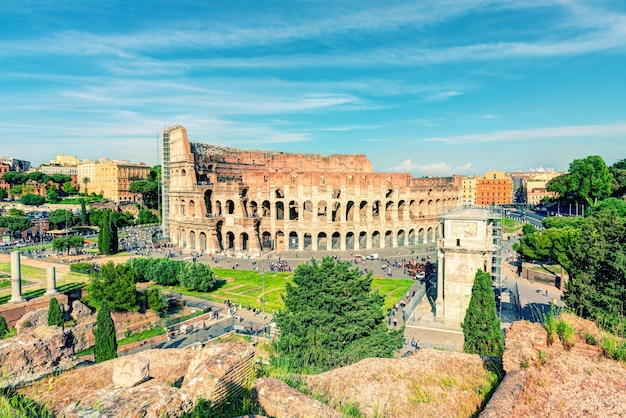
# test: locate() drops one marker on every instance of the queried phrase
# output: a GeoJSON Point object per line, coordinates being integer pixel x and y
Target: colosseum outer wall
{"type": "Point", "coordinates": [226, 199]}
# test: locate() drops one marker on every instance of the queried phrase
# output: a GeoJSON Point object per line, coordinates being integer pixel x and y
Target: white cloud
{"type": "Point", "coordinates": [434, 169]}
{"type": "Point", "coordinates": [574, 131]}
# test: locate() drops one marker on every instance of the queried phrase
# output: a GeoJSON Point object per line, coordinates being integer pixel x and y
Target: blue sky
{"type": "Point", "coordinates": [429, 87]}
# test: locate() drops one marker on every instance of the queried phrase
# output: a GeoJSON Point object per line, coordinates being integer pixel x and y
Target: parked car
{"type": "Point", "coordinates": [372, 257]}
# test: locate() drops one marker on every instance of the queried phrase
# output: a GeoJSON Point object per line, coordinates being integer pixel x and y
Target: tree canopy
{"type": "Point", "coordinates": [14, 178]}
{"type": "Point", "coordinates": [114, 284]}
{"type": "Point", "coordinates": [32, 199]}
{"type": "Point", "coordinates": [481, 326]}
{"type": "Point", "coordinates": [331, 318]}
{"type": "Point", "coordinates": [149, 188]}
{"type": "Point", "coordinates": [587, 180]}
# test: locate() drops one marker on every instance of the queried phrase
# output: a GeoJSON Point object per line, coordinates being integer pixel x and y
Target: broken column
{"type": "Point", "coordinates": [52, 281]}
{"type": "Point", "coordinates": [16, 278]}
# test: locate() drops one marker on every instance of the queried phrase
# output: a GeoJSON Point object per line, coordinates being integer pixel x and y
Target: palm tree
{"type": "Point", "coordinates": [85, 181]}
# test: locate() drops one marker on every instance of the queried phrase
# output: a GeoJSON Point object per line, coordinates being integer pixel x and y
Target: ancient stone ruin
{"type": "Point", "coordinates": [220, 198]}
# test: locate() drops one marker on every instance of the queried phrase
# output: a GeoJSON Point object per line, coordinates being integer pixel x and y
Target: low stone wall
{"type": "Point", "coordinates": [13, 312]}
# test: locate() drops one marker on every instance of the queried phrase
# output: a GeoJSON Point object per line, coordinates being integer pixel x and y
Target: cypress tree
{"type": "Point", "coordinates": [83, 212]}
{"type": "Point", "coordinates": [113, 232]}
{"type": "Point", "coordinates": [481, 326]}
{"type": "Point", "coordinates": [104, 236]}
{"type": "Point", "coordinates": [55, 316]}
{"type": "Point", "coordinates": [106, 344]}
{"type": "Point", "coordinates": [4, 328]}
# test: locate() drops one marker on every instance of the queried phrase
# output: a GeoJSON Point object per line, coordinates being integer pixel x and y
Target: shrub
{"type": "Point", "coordinates": [105, 345]}
{"type": "Point", "coordinates": [4, 328]}
{"type": "Point", "coordinates": [566, 334]}
{"type": "Point", "coordinates": [549, 323]}
{"type": "Point", "coordinates": [55, 315]}
{"type": "Point", "coordinates": [82, 267]}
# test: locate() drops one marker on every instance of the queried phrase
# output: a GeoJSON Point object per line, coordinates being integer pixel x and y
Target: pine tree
{"type": "Point", "coordinates": [55, 315]}
{"type": "Point", "coordinates": [481, 326]}
{"type": "Point", "coordinates": [106, 344]}
{"type": "Point", "coordinates": [331, 318]}
{"type": "Point", "coordinates": [4, 328]}
{"type": "Point", "coordinates": [104, 236]}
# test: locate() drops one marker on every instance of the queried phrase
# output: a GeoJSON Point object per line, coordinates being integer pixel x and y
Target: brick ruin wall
{"type": "Point", "coordinates": [226, 199]}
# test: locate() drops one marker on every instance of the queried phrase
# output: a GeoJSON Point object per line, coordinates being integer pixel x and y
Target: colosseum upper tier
{"type": "Point", "coordinates": [228, 199]}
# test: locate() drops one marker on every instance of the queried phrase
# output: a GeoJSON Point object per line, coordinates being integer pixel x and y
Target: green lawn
{"type": "Point", "coordinates": [31, 294]}
{"type": "Point", "coordinates": [34, 272]}
{"type": "Point", "coordinates": [245, 287]}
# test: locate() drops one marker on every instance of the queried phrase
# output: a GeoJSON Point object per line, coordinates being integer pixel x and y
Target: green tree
{"type": "Point", "coordinates": [114, 284]}
{"type": "Point", "coordinates": [86, 181]}
{"type": "Point", "coordinates": [481, 326]}
{"type": "Point", "coordinates": [61, 218]}
{"type": "Point", "coordinates": [156, 301]}
{"type": "Point", "coordinates": [148, 190]}
{"type": "Point", "coordinates": [83, 213]}
{"type": "Point", "coordinates": [14, 178]}
{"type": "Point", "coordinates": [32, 200]}
{"type": "Point", "coordinates": [596, 288]}
{"type": "Point", "coordinates": [146, 217]}
{"type": "Point", "coordinates": [69, 188]}
{"type": "Point", "coordinates": [587, 180]}
{"type": "Point", "coordinates": [52, 195]}
{"type": "Point", "coordinates": [38, 177]}
{"type": "Point", "coordinates": [331, 318]}
{"type": "Point", "coordinates": [107, 237]}
{"type": "Point", "coordinates": [104, 333]}
{"type": "Point", "coordinates": [60, 179]}
{"type": "Point", "coordinates": [4, 328]}
{"type": "Point", "coordinates": [196, 276]}
{"type": "Point", "coordinates": [55, 315]}
{"type": "Point", "coordinates": [618, 186]}
{"type": "Point", "coordinates": [15, 223]}
{"type": "Point", "coordinates": [3, 194]}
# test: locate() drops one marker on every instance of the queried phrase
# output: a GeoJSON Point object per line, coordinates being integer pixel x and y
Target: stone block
{"type": "Point", "coordinates": [129, 372]}
{"type": "Point", "coordinates": [279, 400]}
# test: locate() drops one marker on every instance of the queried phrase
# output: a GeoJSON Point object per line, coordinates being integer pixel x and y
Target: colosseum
{"type": "Point", "coordinates": [227, 199]}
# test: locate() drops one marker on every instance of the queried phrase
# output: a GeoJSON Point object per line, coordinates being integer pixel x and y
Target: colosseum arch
{"type": "Point", "coordinates": [293, 210]}
{"type": "Point", "coordinates": [230, 240]}
{"type": "Point", "coordinates": [208, 203]}
{"type": "Point", "coordinates": [400, 238]}
{"type": "Point", "coordinates": [279, 241]}
{"type": "Point", "coordinates": [266, 240]}
{"type": "Point", "coordinates": [389, 207]}
{"type": "Point", "coordinates": [363, 210]}
{"type": "Point", "coordinates": [182, 238]}
{"type": "Point", "coordinates": [375, 239]}
{"type": "Point", "coordinates": [421, 236]}
{"type": "Point", "coordinates": [202, 241]}
{"type": "Point", "coordinates": [192, 240]}
{"type": "Point", "coordinates": [412, 237]}
{"type": "Point", "coordinates": [307, 210]}
{"type": "Point", "coordinates": [350, 241]}
{"type": "Point", "coordinates": [336, 212]}
{"type": "Point", "coordinates": [293, 240]}
{"type": "Point", "coordinates": [322, 241]}
{"type": "Point", "coordinates": [413, 210]}
{"type": "Point", "coordinates": [267, 212]}
{"type": "Point", "coordinates": [322, 210]}
{"type": "Point", "coordinates": [376, 209]}
{"type": "Point", "coordinates": [218, 208]}
{"type": "Point", "coordinates": [280, 211]}
{"type": "Point", "coordinates": [350, 211]}
{"type": "Point", "coordinates": [307, 242]}
{"type": "Point", "coordinates": [243, 239]}
{"type": "Point", "coordinates": [429, 235]}
{"type": "Point", "coordinates": [230, 207]}
{"type": "Point", "coordinates": [191, 208]}
{"type": "Point", "coordinates": [254, 209]}
{"type": "Point", "coordinates": [388, 239]}
{"type": "Point", "coordinates": [362, 240]}
{"type": "Point", "coordinates": [183, 205]}
{"type": "Point", "coordinates": [336, 241]}
{"type": "Point", "coordinates": [402, 207]}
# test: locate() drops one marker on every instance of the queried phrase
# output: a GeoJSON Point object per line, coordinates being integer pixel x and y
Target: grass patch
{"type": "Point", "coordinates": [548, 268]}
{"type": "Point", "coordinates": [143, 335]}
{"type": "Point", "coordinates": [5, 283]}
{"type": "Point", "coordinates": [31, 294]}
{"type": "Point", "coordinates": [245, 288]}
{"type": "Point", "coordinates": [171, 321]}
{"type": "Point", "coordinates": [29, 271]}
{"type": "Point", "coordinates": [510, 225]}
